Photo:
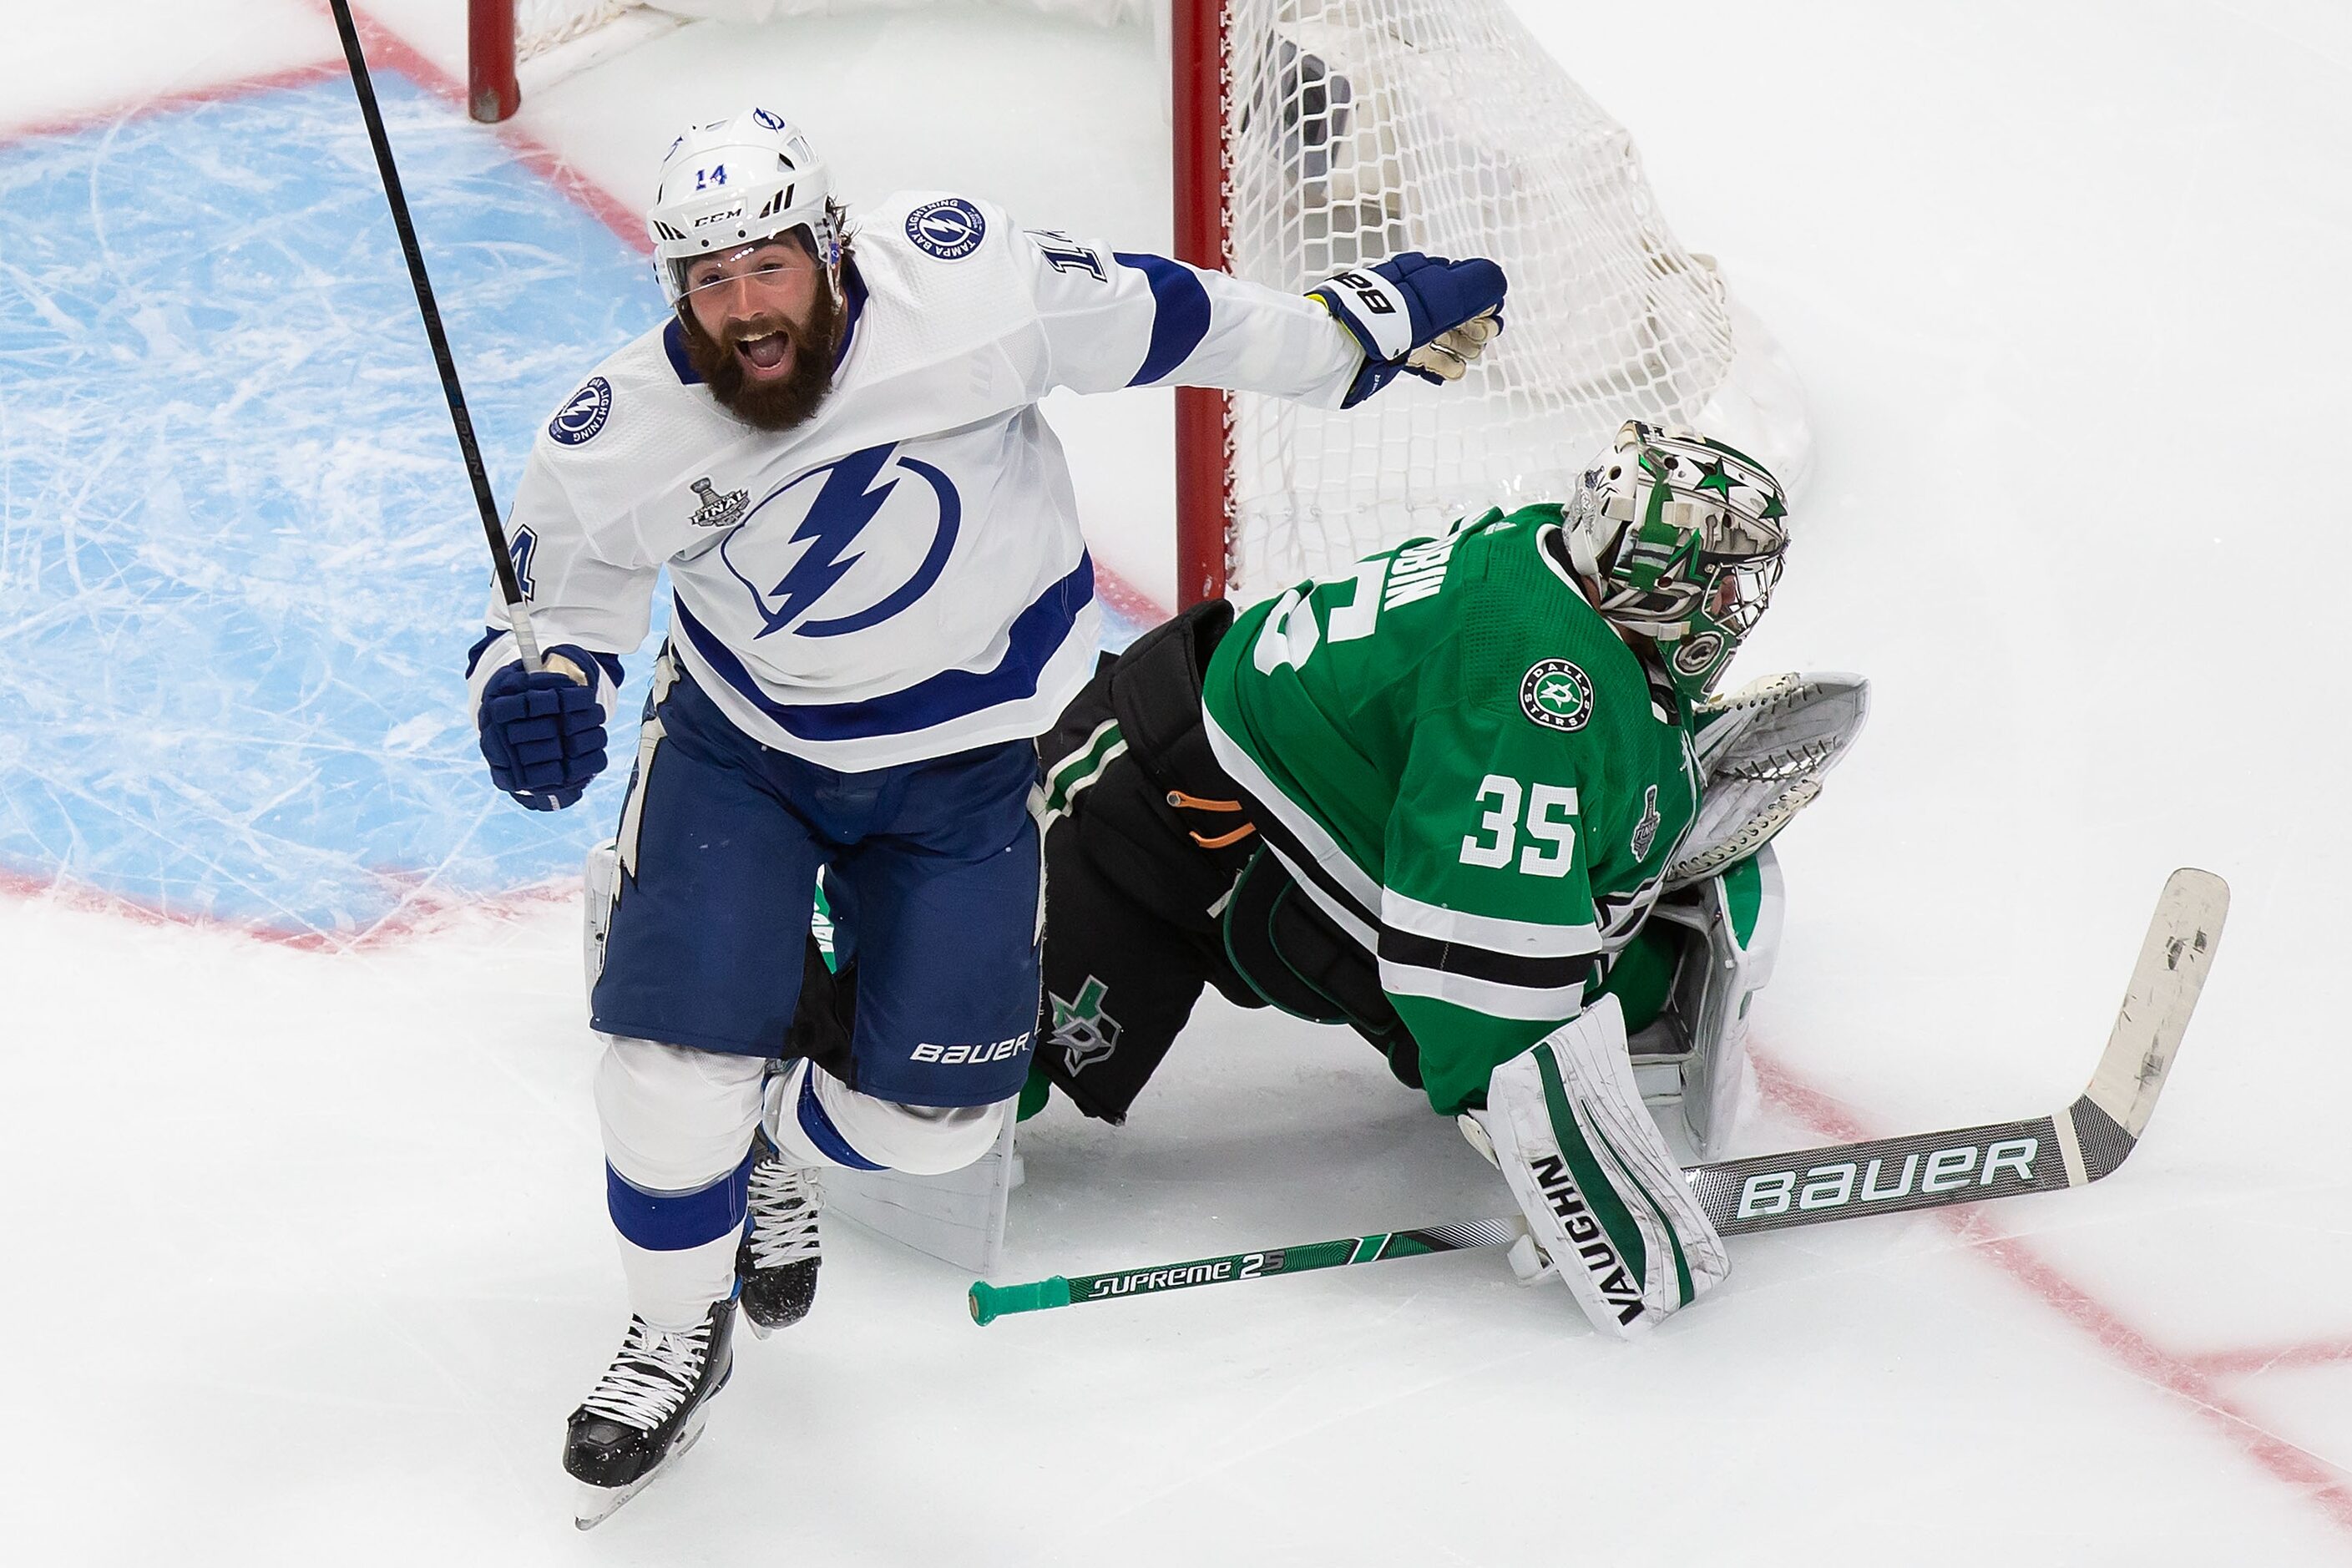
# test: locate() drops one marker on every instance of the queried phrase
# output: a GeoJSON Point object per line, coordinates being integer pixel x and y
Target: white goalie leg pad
{"type": "Point", "coordinates": [1729, 926]}
{"type": "Point", "coordinates": [1601, 1194]}
{"type": "Point", "coordinates": [957, 1217]}
{"type": "Point", "coordinates": [1762, 754]}
{"type": "Point", "coordinates": [675, 1123]}
{"type": "Point", "coordinates": [599, 879]}
{"type": "Point", "coordinates": [815, 1120]}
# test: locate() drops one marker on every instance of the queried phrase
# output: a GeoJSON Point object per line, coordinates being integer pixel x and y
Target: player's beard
{"type": "Point", "coordinates": [769, 404]}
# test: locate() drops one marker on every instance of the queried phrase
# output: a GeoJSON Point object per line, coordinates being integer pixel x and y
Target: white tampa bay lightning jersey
{"type": "Point", "coordinates": [900, 576]}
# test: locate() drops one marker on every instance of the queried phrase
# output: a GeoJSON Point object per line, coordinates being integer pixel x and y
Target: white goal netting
{"type": "Point", "coordinates": [542, 24]}
{"type": "Point", "coordinates": [1356, 129]}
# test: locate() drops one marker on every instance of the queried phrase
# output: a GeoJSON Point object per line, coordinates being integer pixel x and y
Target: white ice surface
{"type": "Point", "coordinates": [305, 1256]}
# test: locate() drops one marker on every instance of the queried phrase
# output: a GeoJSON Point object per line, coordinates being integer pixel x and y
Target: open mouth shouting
{"type": "Point", "coordinates": [765, 357]}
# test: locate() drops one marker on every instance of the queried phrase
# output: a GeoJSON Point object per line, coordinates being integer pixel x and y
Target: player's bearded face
{"type": "Point", "coordinates": [762, 329]}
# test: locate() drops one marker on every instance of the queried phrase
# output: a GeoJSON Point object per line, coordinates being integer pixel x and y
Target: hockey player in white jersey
{"type": "Point", "coordinates": [879, 595]}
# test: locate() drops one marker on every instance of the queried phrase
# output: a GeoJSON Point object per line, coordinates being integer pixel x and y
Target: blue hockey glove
{"type": "Point", "coordinates": [1415, 313]}
{"type": "Point", "coordinates": [543, 735]}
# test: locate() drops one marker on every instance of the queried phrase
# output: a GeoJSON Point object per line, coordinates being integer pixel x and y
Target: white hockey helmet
{"type": "Point", "coordinates": [1684, 537]}
{"type": "Point", "coordinates": [733, 183]}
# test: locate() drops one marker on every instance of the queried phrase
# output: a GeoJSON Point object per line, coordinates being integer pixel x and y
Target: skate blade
{"type": "Point", "coordinates": [596, 1504]}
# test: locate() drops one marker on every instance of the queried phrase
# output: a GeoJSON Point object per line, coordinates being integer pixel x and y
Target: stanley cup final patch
{"type": "Point", "coordinates": [717, 510]}
{"type": "Point", "coordinates": [1557, 695]}
{"type": "Point", "coordinates": [1645, 832]}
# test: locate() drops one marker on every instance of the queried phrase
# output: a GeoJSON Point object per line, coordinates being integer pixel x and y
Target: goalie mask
{"type": "Point", "coordinates": [727, 186]}
{"type": "Point", "coordinates": [1684, 537]}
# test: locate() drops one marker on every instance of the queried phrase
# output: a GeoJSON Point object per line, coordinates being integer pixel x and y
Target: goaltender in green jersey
{"type": "Point", "coordinates": [1474, 798]}
{"type": "Point", "coordinates": [1436, 798]}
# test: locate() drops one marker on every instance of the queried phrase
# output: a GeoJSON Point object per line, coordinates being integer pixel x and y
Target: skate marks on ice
{"type": "Point", "coordinates": [237, 566]}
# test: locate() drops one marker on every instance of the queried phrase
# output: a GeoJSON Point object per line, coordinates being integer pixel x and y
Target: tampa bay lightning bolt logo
{"type": "Point", "coordinates": [773, 122]}
{"type": "Point", "coordinates": [850, 493]}
{"type": "Point", "coordinates": [950, 228]}
{"type": "Point", "coordinates": [583, 413]}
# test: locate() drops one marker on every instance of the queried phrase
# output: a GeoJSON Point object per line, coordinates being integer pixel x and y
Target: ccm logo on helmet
{"type": "Point", "coordinates": [972, 1056]}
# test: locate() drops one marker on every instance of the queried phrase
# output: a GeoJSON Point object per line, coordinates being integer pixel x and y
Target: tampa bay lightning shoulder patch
{"type": "Point", "coordinates": [583, 413]}
{"type": "Point", "coordinates": [950, 228]}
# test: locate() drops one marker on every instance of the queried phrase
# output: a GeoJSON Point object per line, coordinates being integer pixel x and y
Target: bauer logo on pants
{"type": "Point", "coordinates": [972, 1056]}
{"type": "Point", "coordinates": [1557, 695]}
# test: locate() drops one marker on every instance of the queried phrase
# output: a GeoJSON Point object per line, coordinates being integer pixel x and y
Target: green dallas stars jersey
{"type": "Point", "coordinates": [1468, 771]}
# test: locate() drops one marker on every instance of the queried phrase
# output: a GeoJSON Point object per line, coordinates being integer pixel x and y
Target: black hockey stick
{"type": "Point", "coordinates": [2068, 1148]}
{"type": "Point", "coordinates": [509, 587]}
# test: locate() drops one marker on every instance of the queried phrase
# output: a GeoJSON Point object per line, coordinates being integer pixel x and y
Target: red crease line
{"type": "Point", "coordinates": [84, 119]}
{"type": "Point", "coordinates": [384, 46]}
{"type": "Point", "coordinates": [2188, 1378]}
{"type": "Point", "coordinates": [414, 916]}
{"type": "Point", "coordinates": [381, 43]}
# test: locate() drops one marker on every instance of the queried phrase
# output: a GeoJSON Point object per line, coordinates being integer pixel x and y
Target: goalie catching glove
{"type": "Point", "coordinates": [1762, 751]}
{"type": "Point", "coordinates": [1415, 313]}
{"type": "Point", "coordinates": [1605, 1203]}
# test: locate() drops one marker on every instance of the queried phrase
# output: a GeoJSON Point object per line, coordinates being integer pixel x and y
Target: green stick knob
{"type": "Point", "coordinates": [990, 1303]}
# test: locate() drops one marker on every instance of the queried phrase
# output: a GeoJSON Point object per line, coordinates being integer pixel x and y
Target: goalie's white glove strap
{"type": "Point", "coordinates": [1603, 1195]}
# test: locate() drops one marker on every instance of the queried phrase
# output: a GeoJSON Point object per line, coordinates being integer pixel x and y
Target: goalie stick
{"type": "Point", "coordinates": [2068, 1148]}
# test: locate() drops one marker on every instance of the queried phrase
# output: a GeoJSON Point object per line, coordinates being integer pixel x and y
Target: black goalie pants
{"type": "Point", "coordinates": [1158, 884]}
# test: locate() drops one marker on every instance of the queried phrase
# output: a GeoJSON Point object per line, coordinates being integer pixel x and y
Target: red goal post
{"type": "Point", "coordinates": [1309, 136]}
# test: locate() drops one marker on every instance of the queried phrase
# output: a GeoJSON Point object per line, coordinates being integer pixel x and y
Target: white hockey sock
{"type": "Point", "coordinates": [815, 1120]}
{"type": "Point", "coordinates": [677, 1125]}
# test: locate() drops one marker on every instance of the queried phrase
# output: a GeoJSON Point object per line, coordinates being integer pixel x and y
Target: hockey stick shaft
{"type": "Point", "coordinates": [2069, 1148]}
{"type": "Point", "coordinates": [2072, 1148]}
{"type": "Point", "coordinates": [509, 586]}
{"type": "Point", "coordinates": [990, 1303]}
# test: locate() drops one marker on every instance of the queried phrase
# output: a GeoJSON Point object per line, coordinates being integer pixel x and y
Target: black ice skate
{"type": "Point", "coordinates": [647, 1410]}
{"type": "Point", "coordinates": [775, 1268]}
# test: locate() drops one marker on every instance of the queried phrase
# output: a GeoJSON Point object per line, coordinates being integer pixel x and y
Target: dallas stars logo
{"type": "Point", "coordinates": [1557, 695]}
{"type": "Point", "coordinates": [1085, 1032]}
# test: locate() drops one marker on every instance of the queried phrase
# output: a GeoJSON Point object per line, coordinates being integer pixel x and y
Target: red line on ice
{"type": "Point", "coordinates": [389, 48]}
{"type": "Point", "coordinates": [2310, 1353]}
{"type": "Point", "coordinates": [382, 43]}
{"type": "Point", "coordinates": [160, 103]}
{"type": "Point", "coordinates": [2189, 1377]}
{"type": "Point", "coordinates": [413, 916]}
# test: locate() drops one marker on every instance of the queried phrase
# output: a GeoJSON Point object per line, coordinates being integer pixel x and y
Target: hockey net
{"type": "Point", "coordinates": [1315, 135]}
{"type": "Point", "coordinates": [1348, 130]}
